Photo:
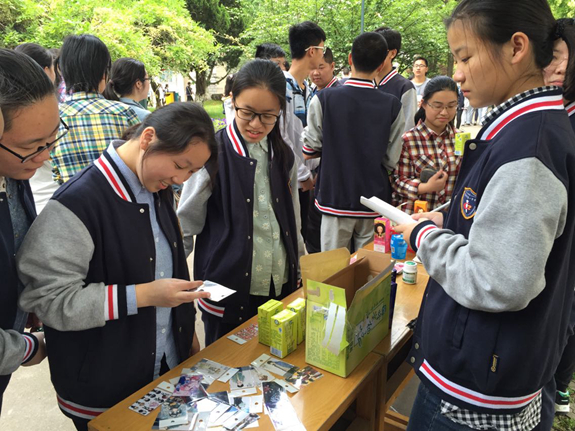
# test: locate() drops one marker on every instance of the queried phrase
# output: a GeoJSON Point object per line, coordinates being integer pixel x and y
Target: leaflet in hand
{"type": "Point", "coordinates": [217, 291]}
{"type": "Point", "coordinates": [387, 210]}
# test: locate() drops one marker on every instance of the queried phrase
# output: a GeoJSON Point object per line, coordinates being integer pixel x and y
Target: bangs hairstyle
{"type": "Point", "coordinates": [38, 53]}
{"type": "Point", "coordinates": [268, 76]}
{"type": "Point", "coordinates": [125, 73]}
{"type": "Point", "coordinates": [566, 32]}
{"type": "Point", "coordinates": [269, 50]}
{"type": "Point", "coordinates": [22, 83]}
{"type": "Point", "coordinates": [304, 35]}
{"type": "Point", "coordinates": [435, 85]}
{"type": "Point", "coordinates": [368, 51]}
{"type": "Point", "coordinates": [84, 61]}
{"type": "Point", "coordinates": [177, 126]}
{"type": "Point", "coordinates": [495, 21]}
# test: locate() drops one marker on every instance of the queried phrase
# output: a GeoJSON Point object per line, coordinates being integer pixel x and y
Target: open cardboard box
{"type": "Point", "coordinates": [347, 313]}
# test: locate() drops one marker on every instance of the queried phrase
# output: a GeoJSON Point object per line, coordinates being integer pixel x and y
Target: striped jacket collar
{"type": "Point", "coordinates": [115, 179]}
{"type": "Point", "coordinates": [333, 81]}
{"type": "Point", "coordinates": [537, 99]}
{"type": "Point", "coordinates": [238, 144]}
{"type": "Point", "coordinates": [387, 77]}
{"type": "Point", "coordinates": [570, 108]}
{"type": "Point", "coordinates": [360, 83]}
{"type": "Point", "coordinates": [236, 139]}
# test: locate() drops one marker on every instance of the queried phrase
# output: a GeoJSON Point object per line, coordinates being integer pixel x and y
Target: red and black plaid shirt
{"type": "Point", "coordinates": [422, 148]}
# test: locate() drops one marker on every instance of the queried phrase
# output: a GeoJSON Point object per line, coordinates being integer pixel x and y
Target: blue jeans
{"type": "Point", "coordinates": [426, 414]}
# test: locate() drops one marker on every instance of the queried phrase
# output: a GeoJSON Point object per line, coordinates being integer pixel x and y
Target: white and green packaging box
{"type": "Point", "coordinates": [265, 312]}
{"type": "Point", "coordinates": [283, 333]}
{"type": "Point", "coordinates": [298, 307]}
{"type": "Point", "coordinates": [348, 313]}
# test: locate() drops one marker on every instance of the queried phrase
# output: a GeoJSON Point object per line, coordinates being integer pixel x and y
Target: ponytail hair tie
{"type": "Point", "coordinates": [560, 25]}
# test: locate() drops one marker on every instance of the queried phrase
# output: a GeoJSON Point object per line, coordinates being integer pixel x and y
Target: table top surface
{"type": "Point", "coordinates": [330, 396]}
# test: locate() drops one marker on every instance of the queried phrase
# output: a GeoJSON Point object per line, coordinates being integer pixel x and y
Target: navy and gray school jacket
{"type": "Point", "coordinates": [402, 88]}
{"type": "Point", "coordinates": [497, 307]}
{"type": "Point", "coordinates": [13, 344]}
{"type": "Point", "coordinates": [224, 248]}
{"type": "Point", "coordinates": [99, 354]}
{"type": "Point", "coordinates": [353, 127]}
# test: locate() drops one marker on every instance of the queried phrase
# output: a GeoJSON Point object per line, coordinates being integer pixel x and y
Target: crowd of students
{"type": "Point", "coordinates": [102, 267]}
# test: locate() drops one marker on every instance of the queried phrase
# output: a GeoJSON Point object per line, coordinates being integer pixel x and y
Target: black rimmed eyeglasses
{"type": "Point", "coordinates": [249, 115]}
{"type": "Point", "coordinates": [49, 145]}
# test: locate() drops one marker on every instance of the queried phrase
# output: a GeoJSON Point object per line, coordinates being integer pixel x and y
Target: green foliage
{"type": "Point", "coordinates": [563, 8]}
{"type": "Point", "coordinates": [158, 32]}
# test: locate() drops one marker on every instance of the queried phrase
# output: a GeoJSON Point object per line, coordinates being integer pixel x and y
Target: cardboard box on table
{"type": "Point", "coordinates": [347, 313]}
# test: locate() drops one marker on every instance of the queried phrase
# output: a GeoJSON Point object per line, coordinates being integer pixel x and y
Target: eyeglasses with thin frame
{"type": "Point", "coordinates": [318, 47]}
{"type": "Point", "coordinates": [49, 145]}
{"type": "Point", "coordinates": [249, 115]}
{"type": "Point", "coordinates": [419, 66]}
{"type": "Point", "coordinates": [440, 107]}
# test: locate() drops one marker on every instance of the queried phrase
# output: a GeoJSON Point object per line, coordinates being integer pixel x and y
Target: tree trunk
{"type": "Point", "coordinates": [449, 65]}
{"type": "Point", "coordinates": [201, 85]}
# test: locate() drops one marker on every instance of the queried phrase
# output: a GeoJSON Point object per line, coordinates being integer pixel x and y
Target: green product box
{"type": "Point", "coordinates": [283, 333]}
{"type": "Point", "coordinates": [298, 307]}
{"type": "Point", "coordinates": [348, 314]}
{"type": "Point", "coordinates": [460, 140]}
{"type": "Point", "coordinates": [265, 312]}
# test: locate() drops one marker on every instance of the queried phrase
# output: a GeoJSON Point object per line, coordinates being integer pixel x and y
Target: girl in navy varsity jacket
{"type": "Point", "coordinates": [29, 122]}
{"type": "Point", "coordinates": [497, 308]}
{"type": "Point", "coordinates": [105, 270]}
{"type": "Point", "coordinates": [556, 74]}
{"type": "Point", "coordinates": [247, 221]}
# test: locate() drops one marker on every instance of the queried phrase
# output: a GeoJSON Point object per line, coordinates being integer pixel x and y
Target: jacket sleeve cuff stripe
{"type": "Point", "coordinates": [31, 347]}
{"type": "Point", "coordinates": [308, 150]}
{"type": "Point", "coordinates": [116, 305]}
{"type": "Point", "coordinates": [420, 232]}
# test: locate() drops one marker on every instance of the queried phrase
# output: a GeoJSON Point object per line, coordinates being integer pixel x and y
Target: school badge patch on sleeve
{"type": "Point", "coordinates": [468, 203]}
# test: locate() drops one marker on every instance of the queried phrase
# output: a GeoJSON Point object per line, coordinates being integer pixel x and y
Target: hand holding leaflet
{"type": "Point", "coordinates": [387, 210]}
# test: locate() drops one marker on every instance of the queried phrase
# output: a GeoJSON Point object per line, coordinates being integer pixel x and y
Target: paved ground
{"type": "Point", "coordinates": [30, 400]}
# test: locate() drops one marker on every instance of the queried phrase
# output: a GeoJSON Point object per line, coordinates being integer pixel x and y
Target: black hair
{"type": "Point", "coordinates": [566, 31]}
{"type": "Point", "coordinates": [38, 53]}
{"type": "Point", "coordinates": [304, 35]}
{"type": "Point", "coordinates": [368, 51]}
{"type": "Point", "coordinates": [286, 65]}
{"type": "Point", "coordinates": [269, 50]}
{"type": "Point", "coordinates": [22, 83]}
{"type": "Point", "coordinates": [328, 56]}
{"type": "Point", "coordinates": [265, 74]}
{"type": "Point", "coordinates": [130, 132]}
{"type": "Point", "coordinates": [177, 126]}
{"type": "Point", "coordinates": [229, 83]}
{"type": "Point", "coordinates": [55, 52]}
{"type": "Point", "coordinates": [345, 70]}
{"type": "Point", "coordinates": [391, 36]}
{"type": "Point", "coordinates": [495, 21]}
{"type": "Point", "coordinates": [84, 61]}
{"type": "Point", "coordinates": [436, 84]}
{"type": "Point", "coordinates": [125, 73]}
{"type": "Point", "coordinates": [419, 57]}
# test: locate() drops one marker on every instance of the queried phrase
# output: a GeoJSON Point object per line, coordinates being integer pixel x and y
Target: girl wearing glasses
{"type": "Point", "coordinates": [247, 219]}
{"type": "Point", "coordinates": [129, 83]}
{"type": "Point", "coordinates": [105, 270]}
{"type": "Point", "coordinates": [428, 166]}
{"type": "Point", "coordinates": [28, 119]}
